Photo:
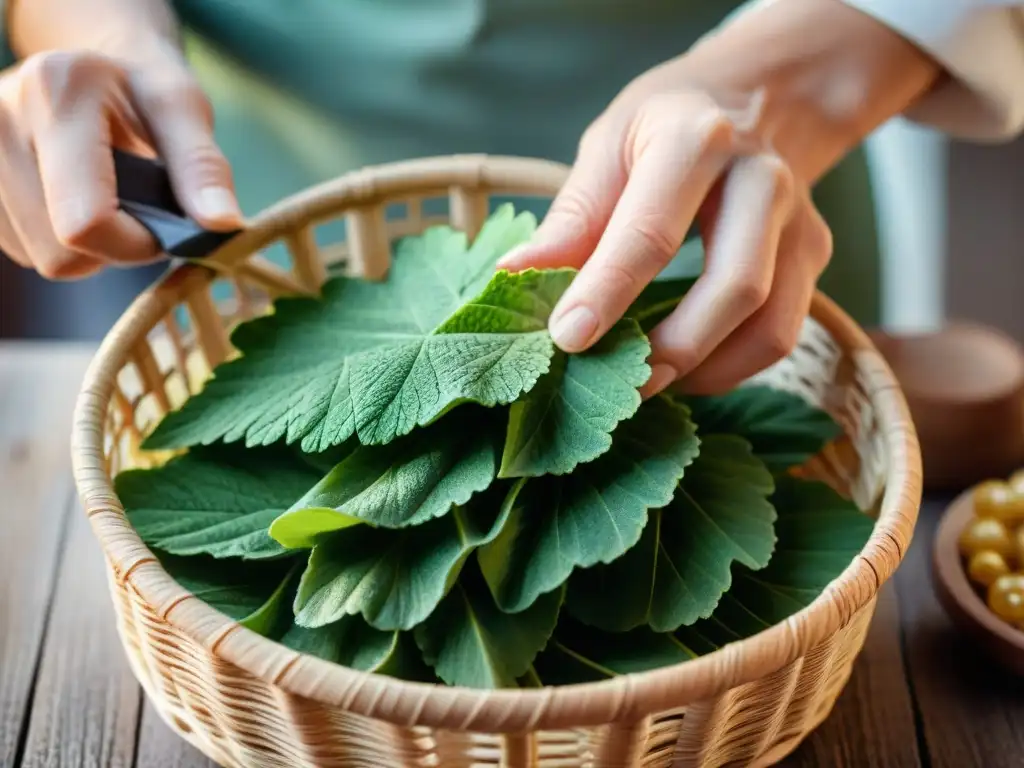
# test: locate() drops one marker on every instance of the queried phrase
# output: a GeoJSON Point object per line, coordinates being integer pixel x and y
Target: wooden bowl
{"type": "Point", "coordinates": [1002, 642]}
{"type": "Point", "coordinates": [965, 388]}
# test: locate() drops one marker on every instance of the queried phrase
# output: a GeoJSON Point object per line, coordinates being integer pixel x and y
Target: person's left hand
{"type": "Point", "coordinates": [729, 136]}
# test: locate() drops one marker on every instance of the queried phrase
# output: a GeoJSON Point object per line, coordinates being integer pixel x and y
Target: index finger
{"type": "Point", "coordinates": [77, 172]}
{"type": "Point", "coordinates": [668, 182]}
{"type": "Point", "coordinates": [71, 139]}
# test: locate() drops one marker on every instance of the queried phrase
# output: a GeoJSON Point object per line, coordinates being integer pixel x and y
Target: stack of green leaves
{"type": "Point", "coordinates": [408, 477]}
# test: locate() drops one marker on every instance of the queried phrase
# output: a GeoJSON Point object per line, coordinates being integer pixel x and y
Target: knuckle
{"type": "Point", "coordinates": [780, 340]}
{"type": "Point", "coordinates": [747, 295]}
{"type": "Point", "coordinates": [174, 96]}
{"type": "Point", "coordinates": [778, 178]}
{"type": "Point", "coordinates": [682, 350]}
{"type": "Point", "coordinates": [769, 178]}
{"type": "Point", "coordinates": [696, 114]}
{"type": "Point", "coordinates": [715, 130]}
{"type": "Point", "coordinates": [575, 205]}
{"type": "Point", "coordinates": [44, 68]}
{"type": "Point", "coordinates": [60, 264]}
{"type": "Point", "coordinates": [616, 280]}
{"type": "Point", "coordinates": [655, 238]}
{"type": "Point", "coordinates": [683, 357]}
{"type": "Point", "coordinates": [691, 116]}
{"type": "Point", "coordinates": [204, 163]}
{"type": "Point", "coordinates": [79, 232]}
{"type": "Point", "coordinates": [58, 78]}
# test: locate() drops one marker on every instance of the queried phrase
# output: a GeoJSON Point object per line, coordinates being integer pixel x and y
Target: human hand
{"type": "Point", "coordinates": [638, 184]}
{"type": "Point", "coordinates": [60, 115]}
{"type": "Point", "coordinates": [731, 136]}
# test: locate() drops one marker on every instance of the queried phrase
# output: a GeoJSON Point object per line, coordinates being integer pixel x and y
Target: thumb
{"type": "Point", "coordinates": [579, 213]}
{"type": "Point", "coordinates": [180, 120]}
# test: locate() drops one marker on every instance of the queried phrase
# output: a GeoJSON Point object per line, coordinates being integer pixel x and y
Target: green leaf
{"type": "Point", "coordinates": [274, 613]}
{"type": "Point", "coordinates": [470, 642]}
{"type": "Point", "coordinates": [579, 653]}
{"type": "Point", "coordinates": [217, 500]}
{"type": "Point", "coordinates": [594, 515]}
{"type": "Point", "coordinates": [407, 482]}
{"type": "Point", "coordinates": [406, 662]}
{"type": "Point", "coordinates": [511, 303]}
{"type": "Point", "coordinates": [350, 641]}
{"type": "Point", "coordinates": [395, 578]}
{"type": "Point", "coordinates": [472, 269]}
{"type": "Point", "coordinates": [819, 534]}
{"type": "Point", "coordinates": [681, 567]}
{"type": "Point", "coordinates": [658, 300]}
{"type": "Point", "coordinates": [324, 461]}
{"type": "Point", "coordinates": [567, 419]}
{"type": "Point", "coordinates": [379, 359]}
{"type": "Point", "coordinates": [249, 592]}
{"type": "Point", "coordinates": [784, 429]}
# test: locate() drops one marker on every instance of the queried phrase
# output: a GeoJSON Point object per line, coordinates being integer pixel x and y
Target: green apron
{"type": "Point", "coordinates": [305, 90]}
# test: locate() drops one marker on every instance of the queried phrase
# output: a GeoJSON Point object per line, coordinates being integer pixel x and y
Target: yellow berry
{"type": "Point", "coordinates": [1016, 481]}
{"type": "Point", "coordinates": [987, 566]}
{"type": "Point", "coordinates": [983, 489]}
{"type": "Point", "coordinates": [983, 534]}
{"type": "Point", "coordinates": [1006, 597]}
{"type": "Point", "coordinates": [998, 500]}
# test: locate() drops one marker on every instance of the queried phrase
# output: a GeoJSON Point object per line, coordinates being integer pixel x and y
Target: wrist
{"type": "Point", "coordinates": [825, 76]}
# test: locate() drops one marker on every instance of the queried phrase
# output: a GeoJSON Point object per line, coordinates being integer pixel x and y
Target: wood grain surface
{"type": "Point", "coordinates": [920, 694]}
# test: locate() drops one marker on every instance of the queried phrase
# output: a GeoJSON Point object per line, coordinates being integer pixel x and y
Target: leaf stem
{"type": "Point", "coordinates": [531, 679]}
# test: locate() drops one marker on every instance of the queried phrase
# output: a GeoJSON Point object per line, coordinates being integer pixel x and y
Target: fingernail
{"type": "Point", "coordinates": [662, 374]}
{"type": "Point", "coordinates": [573, 329]}
{"type": "Point", "coordinates": [218, 204]}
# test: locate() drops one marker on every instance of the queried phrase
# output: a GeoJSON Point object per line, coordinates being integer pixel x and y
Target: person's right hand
{"type": "Point", "coordinates": [60, 114]}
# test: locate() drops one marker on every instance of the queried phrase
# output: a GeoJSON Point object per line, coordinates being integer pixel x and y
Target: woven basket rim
{"type": "Point", "coordinates": [628, 698]}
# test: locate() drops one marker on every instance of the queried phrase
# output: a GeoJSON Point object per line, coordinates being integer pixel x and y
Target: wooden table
{"type": "Point", "coordinates": [918, 696]}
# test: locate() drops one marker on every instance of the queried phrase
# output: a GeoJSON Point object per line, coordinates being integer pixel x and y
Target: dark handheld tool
{"type": "Point", "coordinates": [144, 192]}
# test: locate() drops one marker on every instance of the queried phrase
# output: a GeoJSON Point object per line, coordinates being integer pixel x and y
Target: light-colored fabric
{"type": "Point", "coordinates": [981, 44]}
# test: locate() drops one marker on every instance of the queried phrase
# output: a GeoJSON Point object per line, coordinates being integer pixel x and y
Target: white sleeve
{"type": "Point", "coordinates": [980, 43]}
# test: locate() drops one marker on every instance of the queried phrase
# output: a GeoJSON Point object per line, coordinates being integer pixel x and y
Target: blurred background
{"type": "Point", "coordinates": [948, 217]}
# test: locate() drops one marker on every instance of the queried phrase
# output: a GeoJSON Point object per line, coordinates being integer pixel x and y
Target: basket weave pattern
{"type": "Point", "coordinates": [247, 701]}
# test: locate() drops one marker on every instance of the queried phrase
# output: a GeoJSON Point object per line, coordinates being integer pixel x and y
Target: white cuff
{"type": "Point", "coordinates": [981, 45]}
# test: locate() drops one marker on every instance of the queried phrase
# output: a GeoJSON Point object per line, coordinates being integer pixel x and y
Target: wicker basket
{"type": "Point", "coordinates": [247, 701]}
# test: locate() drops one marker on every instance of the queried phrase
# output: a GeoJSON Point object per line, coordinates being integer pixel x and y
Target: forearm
{"type": "Point", "coordinates": [123, 28]}
{"type": "Point", "coordinates": [825, 73]}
